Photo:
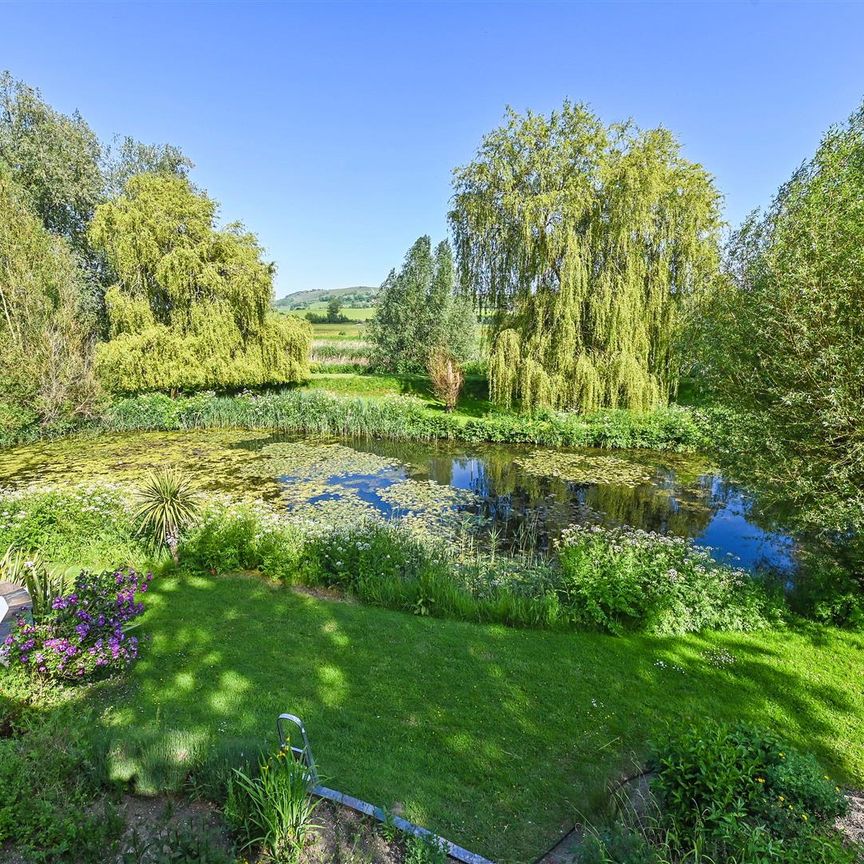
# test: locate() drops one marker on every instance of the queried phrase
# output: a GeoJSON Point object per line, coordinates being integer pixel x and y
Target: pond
{"type": "Point", "coordinates": [519, 495]}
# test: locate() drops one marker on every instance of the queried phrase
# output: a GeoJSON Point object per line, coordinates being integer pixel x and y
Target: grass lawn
{"type": "Point", "coordinates": [473, 401]}
{"type": "Point", "coordinates": [496, 738]}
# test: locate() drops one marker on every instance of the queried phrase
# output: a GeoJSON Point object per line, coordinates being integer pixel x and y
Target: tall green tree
{"type": "Point", "coordinates": [417, 311]}
{"type": "Point", "coordinates": [782, 341]}
{"type": "Point", "coordinates": [54, 158]}
{"type": "Point", "coordinates": [190, 307]}
{"type": "Point", "coordinates": [584, 242]}
{"type": "Point", "coordinates": [128, 157]}
{"type": "Point", "coordinates": [45, 336]}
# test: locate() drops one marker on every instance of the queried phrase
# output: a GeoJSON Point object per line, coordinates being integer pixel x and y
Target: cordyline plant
{"type": "Point", "coordinates": [84, 633]}
{"type": "Point", "coordinates": [168, 504]}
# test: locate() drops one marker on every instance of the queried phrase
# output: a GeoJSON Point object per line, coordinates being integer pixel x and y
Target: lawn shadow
{"type": "Point", "coordinates": [496, 738]}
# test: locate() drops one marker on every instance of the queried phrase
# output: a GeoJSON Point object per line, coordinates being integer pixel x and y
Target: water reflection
{"type": "Point", "coordinates": [683, 498]}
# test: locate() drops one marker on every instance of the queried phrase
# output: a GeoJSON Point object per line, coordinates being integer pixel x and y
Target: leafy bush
{"type": "Point", "coordinates": [745, 792]}
{"type": "Point", "coordinates": [242, 537]}
{"type": "Point", "coordinates": [273, 810]}
{"type": "Point", "coordinates": [623, 578]}
{"type": "Point", "coordinates": [84, 633]}
{"type": "Point", "coordinates": [89, 526]}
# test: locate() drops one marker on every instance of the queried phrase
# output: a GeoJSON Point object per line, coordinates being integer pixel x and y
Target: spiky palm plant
{"type": "Point", "coordinates": [29, 571]}
{"type": "Point", "coordinates": [168, 503]}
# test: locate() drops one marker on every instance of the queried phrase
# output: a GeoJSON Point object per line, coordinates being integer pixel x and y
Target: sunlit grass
{"type": "Point", "coordinates": [497, 738]}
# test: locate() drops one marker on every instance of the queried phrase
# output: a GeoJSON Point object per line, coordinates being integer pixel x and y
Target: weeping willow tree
{"type": "Point", "coordinates": [190, 306]}
{"type": "Point", "coordinates": [585, 243]}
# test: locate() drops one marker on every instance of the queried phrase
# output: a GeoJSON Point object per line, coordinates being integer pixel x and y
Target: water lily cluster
{"type": "Point", "coordinates": [84, 634]}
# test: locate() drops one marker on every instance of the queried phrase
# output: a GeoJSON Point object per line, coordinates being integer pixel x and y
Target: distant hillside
{"type": "Point", "coordinates": [357, 295]}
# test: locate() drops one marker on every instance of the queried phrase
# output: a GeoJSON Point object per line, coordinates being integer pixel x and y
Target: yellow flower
{"type": "Point", "coordinates": [760, 779]}
{"type": "Point", "coordinates": [781, 798]}
{"type": "Point", "coordinates": [804, 816]}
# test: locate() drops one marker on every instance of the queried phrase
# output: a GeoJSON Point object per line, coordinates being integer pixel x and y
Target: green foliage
{"type": "Point", "coordinates": [193, 843]}
{"type": "Point", "coordinates": [620, 578]}
{"type": "Point", "coordinates": [418, 311]}
{"type": "Point", "coordinates": [587, 242]}
{"type": "Point", "coordinates": [167, 505]}
{"type": "Point", "coordinates": [45, 348]}
{"type": "Point", "coordinates": [238, 537]}
{"type": "Point", "coordinates": [781, 343]}
{"type": "Point", "coordinates": [273, 810]}
{"type": "Point", "coordinates": [51, 779]}
{"type": "Point", "coordinates": [423, 850]}
{"type": "Point", "coordinates": [29, 571]}
{"type": "Point", "coordinates": [402, 418]}
{"type": "Point", "coordinates": [747, 794]}
{"type": "Point", "coordinates": [129, 157]}
{"type": "Point", "coordinates": [190, 308]}
{"type": "Point", "coordinates": [77, 526]}
{"type": "Point", "coordinates": [54, 158]}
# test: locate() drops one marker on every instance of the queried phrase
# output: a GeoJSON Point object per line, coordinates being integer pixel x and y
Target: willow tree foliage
{"type": "Point", "coordinates": [783, 340]}
{"type": "Point", "coordinates": [417, 311]}
{"type": "Point", "coordinates": [584, 242]}
{"type": "Point", "coordinates": [190, 304]}
{"type": "Point", "coordinates": [45, 338]}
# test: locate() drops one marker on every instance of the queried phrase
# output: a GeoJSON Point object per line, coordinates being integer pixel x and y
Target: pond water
{"type": "Point", "coordinates": [525, 495]}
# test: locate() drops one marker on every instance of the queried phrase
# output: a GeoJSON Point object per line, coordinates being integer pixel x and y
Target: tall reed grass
{"type": "Point", "coordinates": [318, 412]}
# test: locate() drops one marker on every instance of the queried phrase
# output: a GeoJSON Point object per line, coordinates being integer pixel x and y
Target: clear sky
{"type": "Point", "coordinates": [331, 129]}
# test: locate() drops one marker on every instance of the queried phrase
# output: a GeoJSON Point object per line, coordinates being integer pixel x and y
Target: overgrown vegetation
{"type": "Point", "coordinates": [779, 340]}
{"type": "Point", "coordinates": [728, 793]}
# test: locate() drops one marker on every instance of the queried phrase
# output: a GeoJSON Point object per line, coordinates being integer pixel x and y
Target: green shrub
{"type": "Point", "coordinates": [81, 526]}
{"type": "Point", "coordinates": [424, 850]}
{"type": "Point", "coordinates": [241, 537]}
{"type": "Point", "coordinates": [621, 578]}
{"type": "Point", "coordinates": [742, 788]}
{"type": "Point", "coordinates": [273, 810]}
{"type": "Point", "coordinates": [167, 505]}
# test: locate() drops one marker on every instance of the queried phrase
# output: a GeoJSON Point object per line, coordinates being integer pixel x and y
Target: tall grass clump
{"type": "Point", "coordinates": [230, 537]}
{"type": "Point", "coordinates": [274, 810]}
{"type": "Point", "coordinates": [319, 412]}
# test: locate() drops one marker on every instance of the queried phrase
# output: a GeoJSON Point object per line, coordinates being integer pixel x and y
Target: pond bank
{"type": "Point", "coordinates": [397, 417]}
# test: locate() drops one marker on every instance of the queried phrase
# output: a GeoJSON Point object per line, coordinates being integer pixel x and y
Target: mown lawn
{"type": "Point", "coordinates": [473, 401]}
{"type": "Point", "coordinates": [499, 739]}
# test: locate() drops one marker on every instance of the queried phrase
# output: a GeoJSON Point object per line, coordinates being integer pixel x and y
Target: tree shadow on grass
{"type": "Point", "coordinates": [496, 738]}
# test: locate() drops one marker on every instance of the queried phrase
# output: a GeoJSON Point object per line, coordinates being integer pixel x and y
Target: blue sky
{"type": "Point", "coordinates": [331, 129]}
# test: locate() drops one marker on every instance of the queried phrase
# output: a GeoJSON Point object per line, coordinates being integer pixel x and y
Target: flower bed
{"type": "Point", "coordinates": [85, 632]}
